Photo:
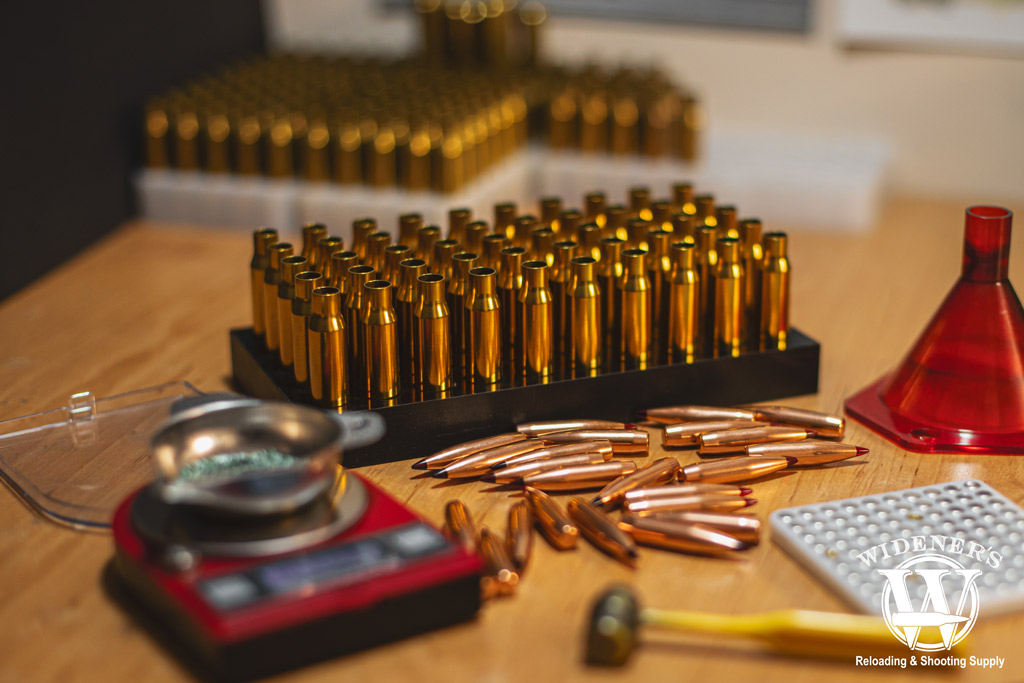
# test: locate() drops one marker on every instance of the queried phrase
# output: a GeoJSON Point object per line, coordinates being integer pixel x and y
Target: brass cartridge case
{"type": "Point", "coordinates": [475, 233]}
{"type": "Point", "coordinates": [594, 122]}
{"type": "Point", "coordinates": [640, 203]}
{"type": "Point", "coordinates": [659, 266]}
{"type": "Point", "coordinates": [775, 292]}
{"type": "Point", "coordinates": [326, 247]}
{"type": "Point", "coordinates": [593, 208]}
{"type": "Point", "coordinates": [186, 138]}
{"type": "Point", "coordinates": [615, 222]}
{"type": "Point", "coordinates": [560, 280]}
{"type": "Point", "coordinates": [535, 309]}
{"type": "Point", "coordinates": [380, 341]}
{"type": "Point", "coordinates": [588, 236]}
{"type": "Point", "coordinates": [693, 539]}
{"type": "Point", "coordinates": [683, 293]}
{"type": "Point", "coordinates": [501, 573]}
{"type": "Point", "coordinates": [609, 273]}
{"type": "Point", "coordinates": [625, 131]}
{"type": "Point", "coordinates": [248, 133]}
{"type": "Point", "coordinates": [347, 142]}
{"type": "Point", "coordinates": [732, 470]}
{"type": "Point", "coordinates": [661, 471]}
{"type": "Point", "coordinates": [328, 374]}
{"type": "Point", "coordinates": [635, 323]}
{"type": "Point", "coordinates": [707, 264]}
{"type": "Point", "coordinates": [315, 162]}
{"type": "Point", "coordinates": [548, 426]}
{"type": "Point", "coordinates": [509, 284]}
{"type": "Point", "coordinates": [312, 233]}
{"type": "Point", "coordinates": [302, 309]}
{"type": "Point", "coordinates": [493, 244]}
{"type": "Point", "coordinates": [482, 462]}
{"type": "Point", "coordinates": [440, 261]}
{"type": "Point", "coordinates": [217, 131]}
{"type": "Point", "coordinates": [484, 328]}
{"type": "Point", "coordinates": [753, 262]}
{"type": "Point", "coordinates": [271, 280]}
{"type": "Point", "coordinates": [726, 221]}
{"type": "Point", "coordinates": [682, 198]}
{"type": "Point", "coordinates": [425, 239]}
{"type": "Point", "coordinates": [458, 309]}
{"type": "Point", "coordinates": [550, 209]}
{"type": "Point", "coordinates": [542, 245]}
{"type": "Point", "coordinates": [554, 524]}
{"type": "Point", "coordinates": [601, 448]}
{"type": "Point", "coordinates": [581, 477]}
{"type": "Point", "coordinates": [404, 298]}
{"type": "Point", "coordinates": [433, 335]}
{"type": "Point", "coordinates": [672, 414]}
{"type": "Point", "coordinates": [504, 218]}
{"type": "Point", "coordinates": [740, 527]}
{"type": "Point", "coordinates": [355, 297]}
{"type": "Point", "coordinates": [522, 231]}
{"type": "Point", "coordinates": [280, 150]}
{"type": "Point", "coordinates": [710, 502]}
{"type": "Point", "coordinates": [519, 534]}
{"type": "Point", "coordinates": [562, 115]}
{"type": "Point", "coordinates": [729, 310]}
{"type": "Point", "coordinates": [808, 452]}
{"type": "Point", "coordinates": [624, 441]}
{"type": "Point", "coordinates": [734, 441]}
{"type": "Point", "coordinates": [684, 228]}
{"type": "Point", "coordinates": [661, 215]}
{"type": "Point", "coordinates": [408, 225]}
{"type": "Point", "coordinates": [362, 228]}
{"type": "Point", "coordinates": [393, 257]}
{"type": "Point", "coordinates": [157, 126]}
{"type": "Point", "coordinates": [687, 434]}
{"type": "Point", "coordinates": [261, 239]}
{"type": "Point", "coordinates": [602, 531]}
{"type": "Point", "coordinates": [376, 243]}
{"type": "Point", "coordinates": [636, 233]}
{"type": "Point", "coordinates": [458, 524]}
{"type": "Point", "coordinates": [826, 425]}
{"type": "Point", "coordinates": [511, 475]}
{"type": "Point", "coordinates": [705, 213]}
{"type": "Point", "coordinates": [678, 490]}
{"type": "Point", "coordinates": [569, 224]}
{"type": "Point", "coordinates": [341, 261]}
{"type": "Point", "coordinates": [382, 167]}
{"type": "Point", "coordinates": [584, 319]}
{"type": "Point", "coordinates": [457, 221]}
{"type": "Point", "coordinates": [447, 456]}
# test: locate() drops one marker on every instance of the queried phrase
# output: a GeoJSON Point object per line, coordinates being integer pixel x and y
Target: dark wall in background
{"type": "Point", "coordinates": [73, 78]}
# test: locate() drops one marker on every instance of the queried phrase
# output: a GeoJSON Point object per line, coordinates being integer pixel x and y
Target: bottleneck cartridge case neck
{"type": "Point", "coordinates": [775, 292]}
{"type": "Point", "coordinates": [271, 280]}
{"type": "Point", "coordinates": [341, 261]}
{"type": "Point", "coordinates": [433, 365]}
{"type": "Point", "coordinates": [362, 228]}
{"type": "Point", "coordinates": [536, 355]}
{"type": "Point", "coordinates": [635, 323]}
{"type": "Point", "coordinates": [328, 376]}
{"type": "Point", "coordinates": [585, 332]}
{"type": "Point", "coordinates": [380, 341]}
{"type": "Point", "coordinates": [261, 239]}
{"type": "Point", "coordinates": [484, 328]}
{"type": "Point", "coordinates": [312, 233]}
{"type": "Point", "coordinates": [302, 309]}
{"type": "Point", "coordinates": [457, 221]}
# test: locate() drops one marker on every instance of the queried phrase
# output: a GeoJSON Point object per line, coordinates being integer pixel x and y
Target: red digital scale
{"type": "Point", "coordinates": [248, 598]}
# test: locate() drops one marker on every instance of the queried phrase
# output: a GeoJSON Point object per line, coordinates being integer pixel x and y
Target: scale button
{"type": "Point", "coordinates": [227, 592]}
{"type": "Point", "coordinates": [416, 540]}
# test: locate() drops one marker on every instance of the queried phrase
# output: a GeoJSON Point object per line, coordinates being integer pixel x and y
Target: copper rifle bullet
{"type": "Point", "coordinates": [705, 213]}
{"type": "Point", "coordinates": [261, 239]}
{"type": "Point", "coordinates": [593, 208]}
{"type": "Point", "coordinates": [707, 264]}
{"type": "Point", "coordinates": [475, 233]}
{"type": "Point", "coordinates": [559, 280]}
{"type": "Point", "coordinates": [408, 225]}
{"type": "Point", "coordinates": [569, 224]}
{"type": "Point", "coordinates": [519, 534]}
{"type": "Point", "coordinates": [493, 244]}
{"type": "Point", "coordinates": [512, 475]}
{"type": "Point", "coordinates": [682, 198]}
{"type": "Point", "coordinates": [441, 260]}
{"type": "Point", "coordinates": [710, 502]}
{"type": "Point", "coordinates": [433, 336]}
{"type": "Point", "coordinates": [355, 297]}
{"type": "Point", "coordinates": [483, 328]}
{"type": "Point", "coordinates": [640, 203]}
{"type": "Point", "coordinates": [271, 280]}
{"type": "Point", "coordinates": [729, 310]}
{"type": "Point", "coordinates": [504, 219]}
{"type": "Point", "coordinates": [602, 531]}
{"type": "Point", "coordinates": [733, 441]}
{"type": "Point", "coordinates": [684, 228]}
{"type": "Point", "coordinates": [635, 321]}
{"type": "Point", "coordinates": [732, 470]}
{"type": "Point", "coordinates": [380, 341]}
{"type": "Point", "coordinates": [445, 457]}
{"type": "Point", "coordinates": [509, 284]}
{"type": "Point", "coordinates": [775, 292]}
{"type": "Point", "coordinates": [458, 524]}
{"type": "Point", "coordinates": [603, 448]}
{"type": "Point", "coordinates": [393, 257]}
{"type": "Point", "coordinates": [457, 221]}
{"type": "Point", "coordinates": [550, 208]}
{"type": "Point", "coordinates": [624, 441]}
{"type": "Point", "coordinates": [687, 434]}
{"type": "Point", "coordinates": [542, 245]}
{"type": "Point", "coordinates": [500, 569]}
{"type": "Point", "coordinates": [290, 266]}
{"type": "Point", "coordinates": [522, 231]}
{"type": "Point", "coordinates": [425, 239]}
{"type": "Point", "coordinates": [534, 305]}
{"type": "Point", "coordinates": [588, 236]}
{"type": "Point", "coordinates": [458, 295]}
{"type": "Point", "coordinates": [410, 354]}
{"type": "Point", "coordinates": [826, 425]}
{"type": "Point", "coordinates": [581, 477]}
{"type": "Point", "coordinates": [302, 309]}
{"type": "Point", "coordinates": [328, 376]}
{"type": "Point", "coordinates": [376, 243]}
{"type": "Point", "coordinates": [615, 221]}
{"type": "Point", "coordinates": [609, 272]}
{"type": "Point", "coordinates": [741, 527]}
{"type": "Point", "coordinates": [326, 247]}
{"type": "Point", "coordinates": [680, 490]}
{"type": "Point", "coordinates": [480, 463]}
{"type": "Point", "coordinates": [753, 262]}
{"type": "Point", "coordinates": [584, 319]}
{"type": "Point", "coordinates": [547, 426]}
{"type": "Point", "coordinates": [672, 414]}
{"type": "Point", "coordinates": [726, 222]}
{"type": "Point", "coordinates": [554, 524]}
{"type": "Point", "coordinates": [362, 228]}
{"type": "Point", "coordinates": [659, 266]}
{"type": "Point", "coordinates": [636, 233]}
{"type": "Point", "coordinates": [687, 538]}
{"type": "Point", "coordinates": [808, 452]}
{"type": "Point", "coordinates": [683, 293]}
{"type": "Point", "coordinates": [341, 261]}
{"type": "Point", "coordinates": [661, 471]}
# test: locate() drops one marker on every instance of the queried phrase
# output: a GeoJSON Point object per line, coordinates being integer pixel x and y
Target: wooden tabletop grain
{"type": "Point", "coordinates": [153, 303]}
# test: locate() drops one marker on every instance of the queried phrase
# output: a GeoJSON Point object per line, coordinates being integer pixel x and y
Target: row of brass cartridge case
{"type": "Point", "coordinates": [467, 32]}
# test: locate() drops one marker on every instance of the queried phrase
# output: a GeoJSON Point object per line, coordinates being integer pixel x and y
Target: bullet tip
{"type": "Point", "coordinates": [630, 425]}
{"type": "Point", "coordinates": [596, 501]}
{"type": "Point", "coordinates": [811, 434]}
{"type": "Point", "coordinates": [421, 465]}
{"type": "Point", "coordinates": [440, 474]}
{"type": "Point", "coordinates": [791, 460]}
{"type": "Point", "coordinates": [499, 465]}
{"type": "Point", "coordinates": [746, 490]}
{"type": "Point", "coordinates": [750, 501]}
{"type": "Point", "coordinates": [861, 450]}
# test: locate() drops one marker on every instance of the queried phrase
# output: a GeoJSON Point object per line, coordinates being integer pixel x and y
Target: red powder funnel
{"type": "Point", "coordinates": [961, 387]}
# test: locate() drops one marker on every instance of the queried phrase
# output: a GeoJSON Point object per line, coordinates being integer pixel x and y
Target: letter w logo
{"type": "Point", "coordinates": [935, 609]}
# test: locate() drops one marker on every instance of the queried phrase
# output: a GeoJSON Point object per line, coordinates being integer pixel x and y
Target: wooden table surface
{"type": "Point", "coordinates": [151, 304]}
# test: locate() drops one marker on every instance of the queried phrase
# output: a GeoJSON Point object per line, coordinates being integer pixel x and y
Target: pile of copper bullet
{"type": "Point", "coordinates": [523, 300]}
{"type": "Point", "coordinates": [665, 503]}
